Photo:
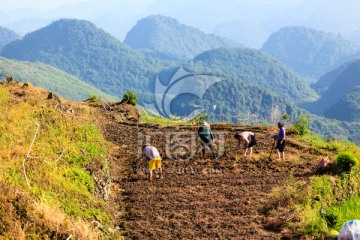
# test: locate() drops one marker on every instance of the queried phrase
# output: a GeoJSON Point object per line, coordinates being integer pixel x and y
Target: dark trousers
{"type": "Point", "coordinates": [207, 144]}
{"type": "Point", "coordinates": [280, 146]}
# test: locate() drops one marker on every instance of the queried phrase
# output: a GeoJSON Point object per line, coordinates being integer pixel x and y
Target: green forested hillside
{"type": "Point", "coordinates": [343, 81]}
{"type": "Point", "coordinates": [166, 38]}
{"type": "Point", "coordinates": [254, 84]}
{"type": "Point", "coordinates": [244, 82]}
{"type": "Point", "coordinates": [237, 99]}
{"type": "Point", "coordinates": [6, 36]}
{"type": "Point", "coordinates": [89, 53]}
{"type": "Point", "coordinates": [325, 81]}
{"type": "Point", "coordinates": [347, 109]}
{"type": "Point", "coordinates": [308, 51]}
{"type": "Point", "coordinates": [335, 129]}
{"type": "Point", "coordinates": [256, 67]}
{"type": "Point", "coordinates": [51, 79]}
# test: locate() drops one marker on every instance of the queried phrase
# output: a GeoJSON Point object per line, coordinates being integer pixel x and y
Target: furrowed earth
{"type": "Point", "coordinates": [199, 198]}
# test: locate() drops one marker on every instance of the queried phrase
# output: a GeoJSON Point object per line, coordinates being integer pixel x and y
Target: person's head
{"type": "Point", "coordinates": [206, 124]}
{"type": "Point", "coordinates": [146, 145]}
{"type": "Point", "coordinates": [280, 124]}
{"type": "Point", "coordinates": [237, 136]}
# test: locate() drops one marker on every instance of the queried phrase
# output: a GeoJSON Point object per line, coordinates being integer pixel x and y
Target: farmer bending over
{"type": "Point", "coordinates": [249, 141]}
{"type": "Point", "coordinates": [154, 159]}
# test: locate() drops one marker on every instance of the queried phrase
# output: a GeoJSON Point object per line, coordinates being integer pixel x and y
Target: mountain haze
{"type": "Point", "coordinates": [165, 37]}
{"type": "Point", "coordinates": [7, 35]}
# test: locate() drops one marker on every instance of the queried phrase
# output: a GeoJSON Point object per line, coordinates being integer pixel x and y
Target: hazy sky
{"type": "Point", "coordinates": [8, 5]}
{"type": "Point", "coordinates": [227, 18]}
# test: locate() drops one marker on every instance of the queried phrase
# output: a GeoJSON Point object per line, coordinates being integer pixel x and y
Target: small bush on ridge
{"type": "Point", "coordinates": [130, 97]}
{"type": "Point", "coordinates": [344, 162]}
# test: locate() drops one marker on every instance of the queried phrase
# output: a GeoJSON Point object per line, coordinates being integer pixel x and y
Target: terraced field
{"type": "Point", "coordinates": [200, 198]}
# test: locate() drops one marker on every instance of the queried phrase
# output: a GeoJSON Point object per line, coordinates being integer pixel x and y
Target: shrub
{"type": "Point", "coordinates": [286, 116]}
{"type": "Point", "coordinates": [93, 97]}
{"type": "Point", "coordinates": [344, 162]}
{"type": "Point", "coordinates": [200, 118]}
{"type": "Point", "coordinates": [130, 97]}
{"type": "Point", "coordinates": [301, 127]}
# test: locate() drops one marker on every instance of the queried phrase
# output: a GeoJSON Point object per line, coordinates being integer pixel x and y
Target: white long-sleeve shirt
{"type": "Point", "coordinates": [246, 137]}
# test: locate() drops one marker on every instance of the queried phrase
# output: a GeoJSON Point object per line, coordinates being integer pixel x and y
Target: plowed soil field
{"type": "Point", "coordinates": [199, 198]}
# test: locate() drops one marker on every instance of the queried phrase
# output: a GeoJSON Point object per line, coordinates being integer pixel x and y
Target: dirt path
{"type": "Point", "coordinates": [197, 199]}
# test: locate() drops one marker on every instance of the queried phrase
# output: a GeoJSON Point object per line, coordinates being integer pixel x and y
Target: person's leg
{"type": "Point", "coordinates": [282, 149]}
{"type": "Point", "coordinates": [158, 165]}
{"type": "Point", "coordinates": [203, 147]}
{"type": "Point", "coordinates": [211, 150]}
{"type": "Point", "coordinates": [151, 168]}
{"type": "Point", "coordinates": [278, 149]}
{"type": "Point", "coordinates": [245, 151]}
{"type": "Point", "coordinates": [161, 173]}
{"type": "Point", "coordinates": [150, 175]}
{"type": "Point", "coordinates": [250, 151]}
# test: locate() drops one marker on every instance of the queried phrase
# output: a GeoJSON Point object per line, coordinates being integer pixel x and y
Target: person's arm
{"type": "Point", "coordinates": [246, 143]}
{"type": "Point", "coordinates": [212, 136]}
{"type": "Point", "coordinates": [283, 135]}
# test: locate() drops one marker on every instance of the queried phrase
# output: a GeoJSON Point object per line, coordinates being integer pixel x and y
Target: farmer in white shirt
{"type": "Point", "coordinates": [249, 141]}
{"type": "Point", "coordinates": [154, 159]}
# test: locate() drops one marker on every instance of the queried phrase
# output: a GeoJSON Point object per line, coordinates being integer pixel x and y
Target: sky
{"type": "Point", "coordinates": [227, 18]}
{"type": "Point", "coordinates": [9, 5]}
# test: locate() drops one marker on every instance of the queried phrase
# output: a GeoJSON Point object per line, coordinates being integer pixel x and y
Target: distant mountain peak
{"type": "Point", "coordinates": [7, 36]}
{"type": "Point", "coordinates": [166, 37]}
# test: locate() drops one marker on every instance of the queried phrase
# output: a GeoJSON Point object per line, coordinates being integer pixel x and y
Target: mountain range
{"type": "Point", "coordinates": [252, 82]}
{"type": "Point", "coordinates": [89, 53]}
{"type": "Point", "coordinates": [310, 52]}
{"type": "Point", "coordinates": [246, 22]}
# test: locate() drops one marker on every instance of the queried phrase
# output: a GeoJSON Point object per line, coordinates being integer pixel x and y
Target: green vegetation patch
{"type": "Point", "coordinates": [324, 202]}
